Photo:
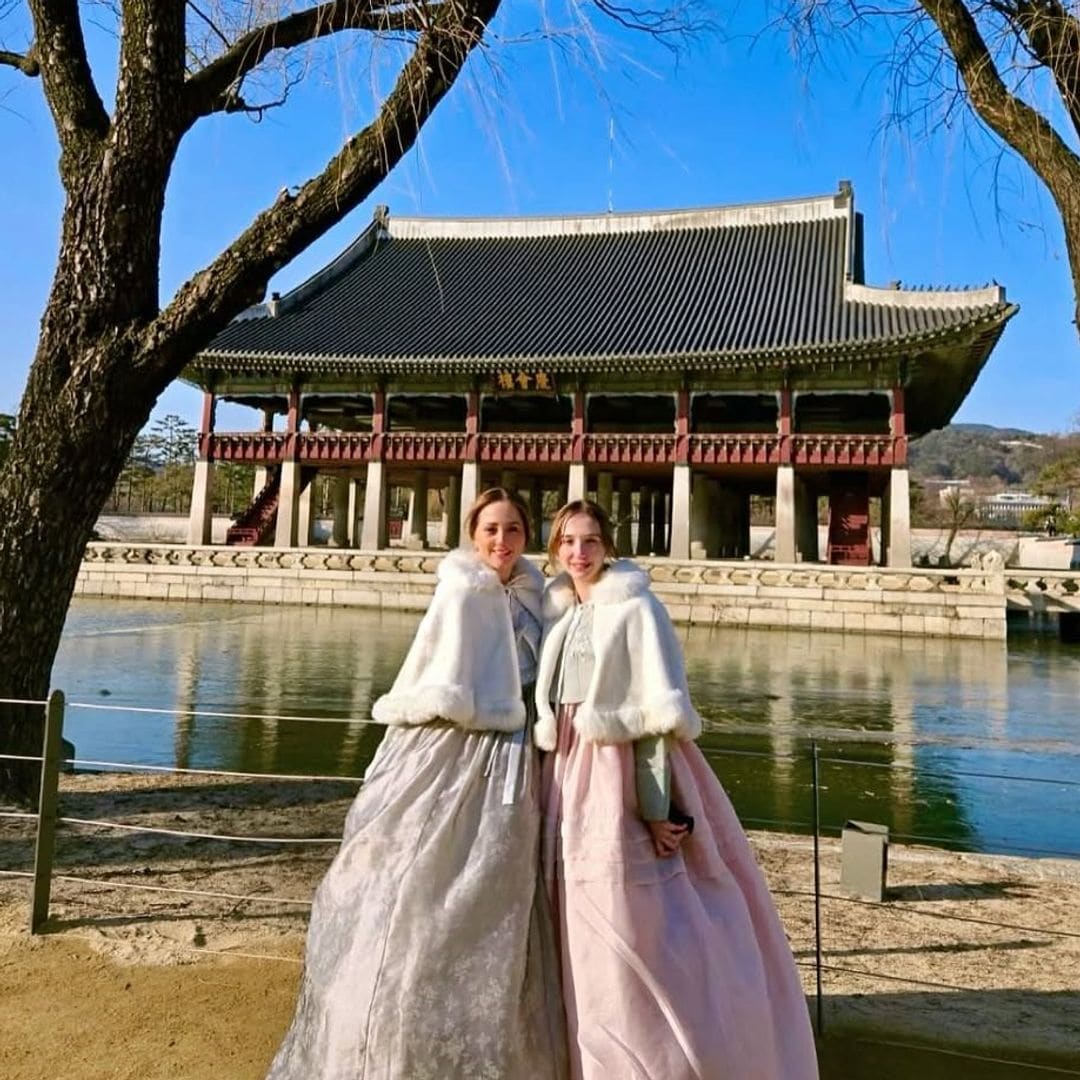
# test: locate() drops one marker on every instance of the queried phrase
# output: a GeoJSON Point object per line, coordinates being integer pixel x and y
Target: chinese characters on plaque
{"type": "Point", "coordinates": [516, 381]}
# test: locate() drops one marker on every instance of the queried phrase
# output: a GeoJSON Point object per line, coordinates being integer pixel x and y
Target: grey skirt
{"type": "Point", "coordinates": [430, 951]}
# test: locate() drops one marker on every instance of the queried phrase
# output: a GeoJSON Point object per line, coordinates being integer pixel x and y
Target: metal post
{"type": "Point", "coordinates": [47, 802]}
{"type": "Point", "coordinates": [817, 883]}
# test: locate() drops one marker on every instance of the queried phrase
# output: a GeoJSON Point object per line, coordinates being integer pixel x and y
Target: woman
{"type": "Point", "coordinates": [675, 964]}
{"type": "Point", "coordinates": [430, 950]}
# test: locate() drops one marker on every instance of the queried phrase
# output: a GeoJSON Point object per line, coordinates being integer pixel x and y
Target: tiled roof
{"type": "Point", "coordinates": [774, 282]}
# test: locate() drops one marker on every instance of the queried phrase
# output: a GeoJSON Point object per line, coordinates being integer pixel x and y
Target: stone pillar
{"type": "Point", "coordinates": [416, 534]}
{"type": "Point", "coordinates": [201, 520]}
{"type": "Point", "coordinates": [744, 523]}
{"type": "Point", "coordinates": [339, 536]}
{"type": "Point", "coordinates": [644, 521]}
{"type": "Point", "coordinates": [261, 476]}
{"type": "Point", "coordinates": [452, 531]}
{"type": "Point", "coordinates": [536, 515]}
{"type": "Point", "coordinates": [807, 523]}
{"type": "Point", "coordinates": [702, 514]}
{"type": "Point", "coordinates": [288, 512]}
{"type": "Point", "coordinates": [624, 518]}
{"type": "Point", "coordinates": [305, 517]}
{"type": "Point", "coordinates": [680, 512]}
{"type": "Point", "coordinates": [575, 482]}
{"type": "Point", "coordinates": [784, 542]}
{"type": "Point", "coordinates": [713, 530]}
{"type": "Point", "coordinates": [375, 533]}
{"type": "Point", "coordinates": [659, 522]}
{"type": "Point", "coordinates": [605, 488]}
{"type": "Point", "coordinates": [899, 537]}
{"type": "Point", "coordinates": [470, 488]}
{"type": "Point", "coordinates": [356, 512]}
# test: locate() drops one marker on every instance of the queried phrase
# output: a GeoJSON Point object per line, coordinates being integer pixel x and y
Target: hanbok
{"type": "Point", "coordinates": [430, 950]}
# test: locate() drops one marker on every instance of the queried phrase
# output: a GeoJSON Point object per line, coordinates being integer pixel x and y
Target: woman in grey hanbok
{"type": "Point", "coordinates": [430, 950]}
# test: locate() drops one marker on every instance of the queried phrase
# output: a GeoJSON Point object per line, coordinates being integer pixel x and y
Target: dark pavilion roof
{"type": "Point", "coordinates": [773, 283]}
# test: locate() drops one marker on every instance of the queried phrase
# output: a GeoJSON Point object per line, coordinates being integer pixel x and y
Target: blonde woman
{"type": "Point", "coordinates": [430, 951]}
{"type": "Point", "coordinates": [674, 961]}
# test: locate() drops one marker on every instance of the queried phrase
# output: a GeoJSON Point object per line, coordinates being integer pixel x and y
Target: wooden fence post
{"type": "Point", "coordinates": [47, 803]}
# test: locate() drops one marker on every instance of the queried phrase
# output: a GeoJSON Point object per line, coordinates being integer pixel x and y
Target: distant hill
{"type": "Point", "coordinates": [1011, 457]}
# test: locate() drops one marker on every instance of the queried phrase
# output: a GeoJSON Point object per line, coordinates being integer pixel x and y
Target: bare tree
{"type": "Point", "coordinates": [1014, 64]}
{"type": "Point", "coordinates": [107, 348]}
{"type": "Point", "coordinates": [958, 507]}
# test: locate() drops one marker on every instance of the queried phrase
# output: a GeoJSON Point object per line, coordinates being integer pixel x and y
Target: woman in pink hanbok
{"type": "Point", "coordinates": [675, 965]}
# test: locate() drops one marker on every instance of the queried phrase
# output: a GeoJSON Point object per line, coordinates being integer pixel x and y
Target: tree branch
{"type": "Point", "coordinates": [26, 62]}
{"type": "Point", "coordinates": [65, 71]}
{"type": "Point", "coordinates": [1054, 36]}
{"type": "Point", "coordinates": [1024, 128]}
{"type": "Point", "coordinates": [216, 88]}
{"type": "Point", "coordinates": [151, 77]}
{"type": "Point", "coordinates": [239, 275]}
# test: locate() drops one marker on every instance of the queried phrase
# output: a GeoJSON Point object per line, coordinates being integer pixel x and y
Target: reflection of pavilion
{"type": "Point", "coordinates": [273, 672]}
{"type": "Point", "coordinates": [798, 683]}
{"type": "Point", "coordinates": [674, 363]}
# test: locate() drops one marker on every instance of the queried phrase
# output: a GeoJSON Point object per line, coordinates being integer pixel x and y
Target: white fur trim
{"type": "Point", "coordinates": [448, 702]}
{"type": "Point", "coordinates": [671, 713]}
{"type": "Point", "coordinates": [462, 569]}
{"type": "Point", "coordinates": [545, 730]}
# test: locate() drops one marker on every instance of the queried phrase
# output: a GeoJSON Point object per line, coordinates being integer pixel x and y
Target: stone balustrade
{"type": "Point", "coordinates": [944, 603]}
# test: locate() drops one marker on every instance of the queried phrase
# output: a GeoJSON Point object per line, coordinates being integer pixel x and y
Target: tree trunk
{"type": "Point", "coordinates": [76, 426]}
{"type": "Point", "coordinates": [106, 352]}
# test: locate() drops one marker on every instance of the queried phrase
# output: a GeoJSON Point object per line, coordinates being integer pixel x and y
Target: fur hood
{"type": "Point", "coordinates": [462, 665]}
{"type": "Point", "coordinates": [622, 580]}
{"type": "Point", "coordinates": [638, 685]}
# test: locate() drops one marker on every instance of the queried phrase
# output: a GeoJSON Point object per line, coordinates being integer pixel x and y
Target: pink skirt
{"type": "Point", "coordinates": [672, 969]}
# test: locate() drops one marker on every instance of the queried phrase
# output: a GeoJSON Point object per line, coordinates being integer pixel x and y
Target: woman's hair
{"type": "Point", "coordinates": [497, 495]}
{"type": "Point", "coordinates": [581, 506]}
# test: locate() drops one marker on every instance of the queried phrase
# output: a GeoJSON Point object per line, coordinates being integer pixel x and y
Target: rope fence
{"type": "Point", "coordinates": [48, 818]}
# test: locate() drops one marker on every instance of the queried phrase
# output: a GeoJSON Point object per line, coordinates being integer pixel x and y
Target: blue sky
{"type": "Point", "coordinates": [728, 120]}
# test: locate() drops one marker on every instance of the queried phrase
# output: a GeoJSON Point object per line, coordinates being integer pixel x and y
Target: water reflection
{"type": "Point", "coordinates": [927, 711]}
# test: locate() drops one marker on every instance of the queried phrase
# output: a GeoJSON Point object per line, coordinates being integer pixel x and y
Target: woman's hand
{"type": "Point", "coordinates": [666, 837]}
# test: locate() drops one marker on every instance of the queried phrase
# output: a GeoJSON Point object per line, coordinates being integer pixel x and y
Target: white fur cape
{"type": "Point", "coordinates": [462, 665]}
{"type": "Point", "coordinates": [639, 684]}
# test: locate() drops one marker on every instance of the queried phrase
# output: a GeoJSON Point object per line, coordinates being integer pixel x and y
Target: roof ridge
{"type": "Point", "coordinates": [922, 296]}
{"type": "Point", "coordinates": [806, 209]}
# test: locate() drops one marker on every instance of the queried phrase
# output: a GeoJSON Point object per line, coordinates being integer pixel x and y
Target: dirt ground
{"type": "Point", "coordinates": [134, 983]}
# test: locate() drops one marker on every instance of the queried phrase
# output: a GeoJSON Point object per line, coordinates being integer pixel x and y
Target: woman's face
{"type": "Point", "coordinates": [499, 537]}
{"type": "Point", "coordinates": [581, 549]}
